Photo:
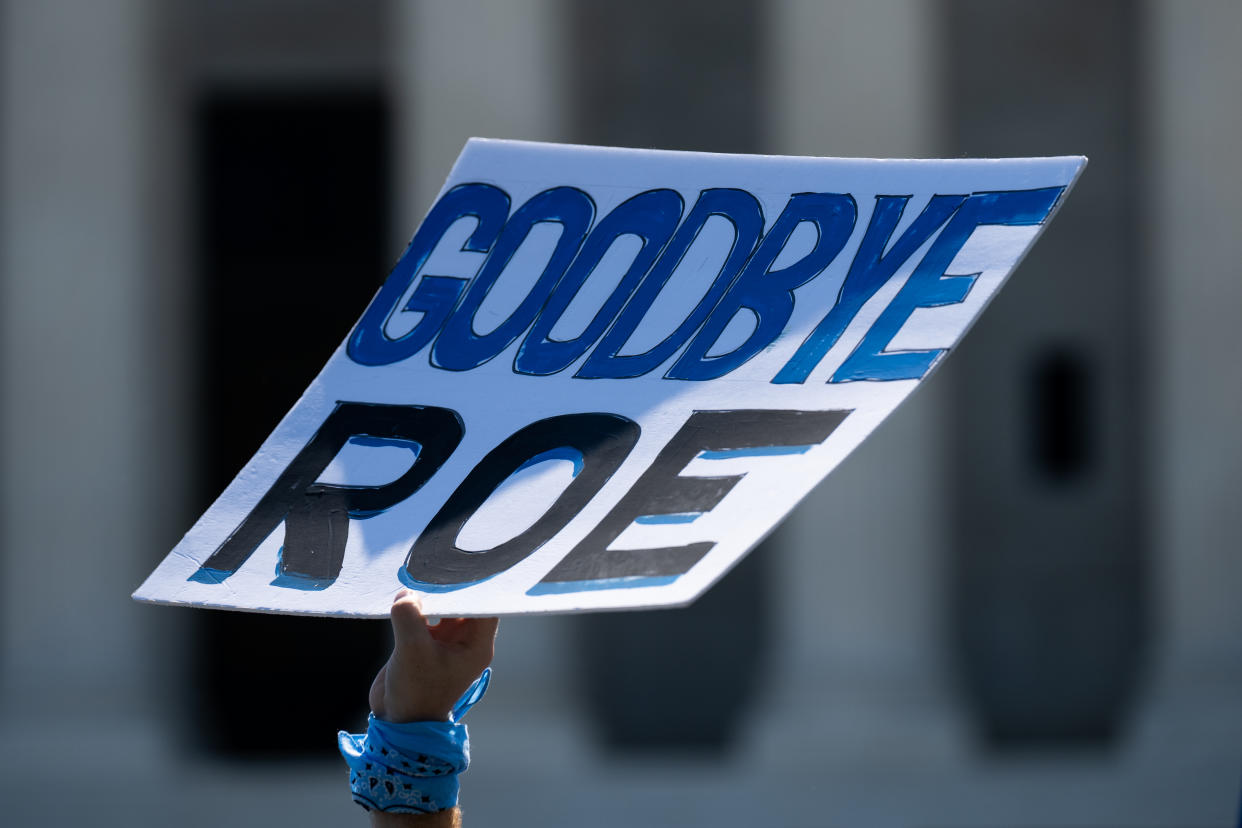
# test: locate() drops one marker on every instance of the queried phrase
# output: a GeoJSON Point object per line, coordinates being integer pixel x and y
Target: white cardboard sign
{"type": "Point", "coordinates": [598, 377]}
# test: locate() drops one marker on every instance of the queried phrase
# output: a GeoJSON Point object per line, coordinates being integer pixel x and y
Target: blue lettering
{"type": "Point", "coordinates": [435, 296]}
{"type": "Point", "coordinates": [459, 347]}
{"type": "Point", "coordinates": [872, 267]}
{"type": "Point", "coordinates": [930, 287]}
{"type": "Point", "coordinates": [652, 216]}
{"type": "Point", "coordinates": [746, 281]}
{"type": "Point", "coordinates": [743, 211]}
{"type": "Point", "coordinates": [766, 292]}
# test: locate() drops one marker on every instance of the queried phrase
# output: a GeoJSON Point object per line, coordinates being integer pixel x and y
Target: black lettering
{"type": "Point", "coordinates": [661, 490]}
{"type": "Point", "coordinates": [316, 515]}
{"type": "Point", "coordinates": [604, 441]}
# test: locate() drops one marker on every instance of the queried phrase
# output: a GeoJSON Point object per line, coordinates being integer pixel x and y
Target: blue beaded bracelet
{"type": "Point", "coordinates": [411, 767]}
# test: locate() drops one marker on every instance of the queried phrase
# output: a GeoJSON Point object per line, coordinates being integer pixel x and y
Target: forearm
{"type": "Point", "coordinates": [415, 746]}
{"type": "Point", "coordinates": [450, 818]}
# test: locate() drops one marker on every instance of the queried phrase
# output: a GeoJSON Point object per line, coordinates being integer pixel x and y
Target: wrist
{"type": "Point", "coordinates": [411, 767]}
{"type": "Point", "coordinates": [419, 712]}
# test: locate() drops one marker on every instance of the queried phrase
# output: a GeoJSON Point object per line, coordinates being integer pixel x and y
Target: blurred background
{"type": "Point", "coordinates": [1019, 603]}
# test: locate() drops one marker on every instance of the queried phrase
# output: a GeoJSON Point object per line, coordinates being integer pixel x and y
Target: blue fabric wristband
{"type": "Point", "coordinates": [411, 767]}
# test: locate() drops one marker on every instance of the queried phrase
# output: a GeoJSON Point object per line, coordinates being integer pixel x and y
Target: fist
{"type": "Point", "coordinates": [430, 666]}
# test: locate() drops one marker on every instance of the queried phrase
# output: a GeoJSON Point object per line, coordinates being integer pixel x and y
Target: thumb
{"type": "Point", "coordinates": [409, 626]}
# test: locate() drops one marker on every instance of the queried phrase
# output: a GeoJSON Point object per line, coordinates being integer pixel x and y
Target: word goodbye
{"type": "Point", "coordinates": [747, 281]}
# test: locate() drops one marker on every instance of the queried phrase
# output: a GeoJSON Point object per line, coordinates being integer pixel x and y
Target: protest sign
{"type": "Point", "coordinates": [598, 377]}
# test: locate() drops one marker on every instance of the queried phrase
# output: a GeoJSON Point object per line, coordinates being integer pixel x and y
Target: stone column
{"type": "Point", "coordinates": [494, 70]}
{"type": "Point", "coordinates": [861, 586]}
{"type": "Point", "coordinates": [79, 471]}
{"type": "Point", "coordinates": [1196, 307]}
{"type": "Point", "coordinates": [470, 69]}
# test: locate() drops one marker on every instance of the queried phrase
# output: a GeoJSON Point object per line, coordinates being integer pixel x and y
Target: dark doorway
{"type": "Point", "coordinates": [1050, 574]}
{"type": "Point", "coordinates": [292, 218]}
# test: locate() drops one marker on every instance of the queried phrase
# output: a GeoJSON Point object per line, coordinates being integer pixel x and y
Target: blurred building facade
{"type": "Point", "coordinates": [1068, 543]}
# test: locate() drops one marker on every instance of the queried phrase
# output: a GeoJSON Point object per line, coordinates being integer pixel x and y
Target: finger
{"type": "Point", "coordinates": [409, 627]}
{"type": "Point", "coordinates": [483, 642]}
{"type": "Point", "coordinates": [485, 629]}
{"type": "Point", "coordinates": [462, 631]}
